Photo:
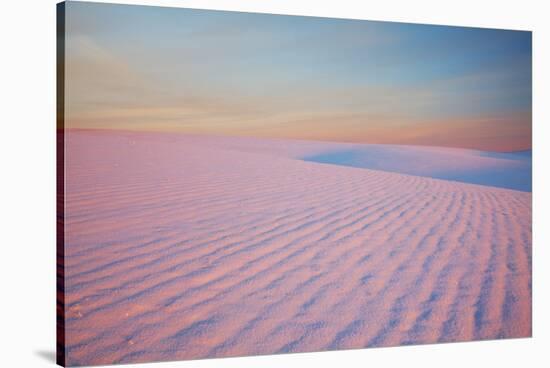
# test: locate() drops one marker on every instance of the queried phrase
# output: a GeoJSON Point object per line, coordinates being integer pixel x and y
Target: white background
{"type": "Point", "coordinates": [27, 181]}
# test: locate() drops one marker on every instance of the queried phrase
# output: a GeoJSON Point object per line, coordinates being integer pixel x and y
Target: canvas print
{"type": "Point", "coordinates": [235, 184]}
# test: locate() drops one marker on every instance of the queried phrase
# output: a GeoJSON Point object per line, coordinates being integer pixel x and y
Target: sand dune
{"type": "Point", "coordinates": [183, 247]}
{"type": "Point", "coordinates": [506, 170]}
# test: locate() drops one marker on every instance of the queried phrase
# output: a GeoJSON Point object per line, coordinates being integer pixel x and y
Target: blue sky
{"type": "Point", "coordinates": [214, 72]}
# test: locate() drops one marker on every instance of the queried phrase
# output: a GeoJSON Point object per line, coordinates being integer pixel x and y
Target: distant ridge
{"type": "Point", "coordinates": [511, 170]}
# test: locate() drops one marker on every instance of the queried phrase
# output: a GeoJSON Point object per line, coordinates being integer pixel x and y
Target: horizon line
{"type": "Point", "coordinates": [179, 132]}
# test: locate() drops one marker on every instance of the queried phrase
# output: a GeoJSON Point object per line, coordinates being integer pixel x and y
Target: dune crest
{"type": "Point", "coordinates": [504, 170]}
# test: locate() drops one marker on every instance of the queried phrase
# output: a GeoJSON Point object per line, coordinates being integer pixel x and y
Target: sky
{"type": "Point", "coordinates": [244, 74]}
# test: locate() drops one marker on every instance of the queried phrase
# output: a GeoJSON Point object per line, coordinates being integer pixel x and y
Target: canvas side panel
{"type": "Point", "coordinates": [60, 188]}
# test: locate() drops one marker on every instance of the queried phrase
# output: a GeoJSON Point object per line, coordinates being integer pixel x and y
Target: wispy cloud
{"type": "Point", "coordinates": [194, 71]}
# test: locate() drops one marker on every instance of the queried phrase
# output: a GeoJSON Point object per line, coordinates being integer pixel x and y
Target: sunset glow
{"type": "Point", "coordinates": [211, 72]}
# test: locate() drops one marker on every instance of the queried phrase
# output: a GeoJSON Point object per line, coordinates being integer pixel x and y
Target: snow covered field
{"type": "Point", "coordinates": [184, 247]}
